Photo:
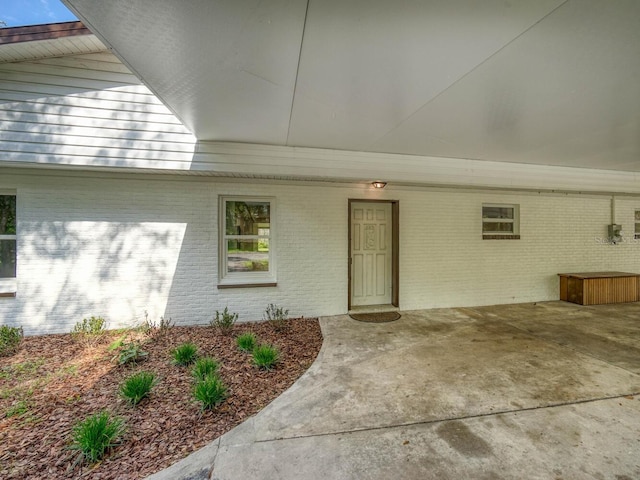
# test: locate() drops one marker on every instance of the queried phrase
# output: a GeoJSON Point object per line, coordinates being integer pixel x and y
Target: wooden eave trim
{"type": "Point", "coordinates": [48, 31]}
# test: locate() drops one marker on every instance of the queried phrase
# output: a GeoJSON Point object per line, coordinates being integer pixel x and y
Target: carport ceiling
{"type": "Point", "coordinates": [548, 82]}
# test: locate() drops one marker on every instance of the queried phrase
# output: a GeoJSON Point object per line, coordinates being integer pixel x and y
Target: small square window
{"type": "Point", "coordinates": [500, 221]}
{"type": "Point", "coordinates": [246, 241]}
{"type": "Point", "coordinates": [636, 233]}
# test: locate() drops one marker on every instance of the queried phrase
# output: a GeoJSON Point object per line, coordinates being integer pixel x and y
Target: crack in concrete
{"type": "Point", "coordinates": [450, 419]}
{"type": "Point", "coordinates": [215, 457]}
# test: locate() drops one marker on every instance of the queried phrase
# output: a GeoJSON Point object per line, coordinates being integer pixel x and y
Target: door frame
{"type": "Point", "coordinates": [395, 251]}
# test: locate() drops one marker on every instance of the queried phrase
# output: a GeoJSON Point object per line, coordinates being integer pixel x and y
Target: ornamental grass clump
{"type": "Point", "coordinates": [265, 356]}
{"type": "Point", "coordinates": [210, 391]}
{"type": "Point", "coordinates": [138, 386]}
{"type": "Point", "coordinates": [205, 367]}
{"type": "Point", "coordinates": [185, 354]}
{"type": "Point", "coordinates": [246, 342]}
{"type": "Point", "coordinates": [96, 434]}
{"type": "Point", "coordinates": [10, 340]}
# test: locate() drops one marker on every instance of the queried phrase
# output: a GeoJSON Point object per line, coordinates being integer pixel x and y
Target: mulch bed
{"type": "Point", "coordinates": [60, 380]}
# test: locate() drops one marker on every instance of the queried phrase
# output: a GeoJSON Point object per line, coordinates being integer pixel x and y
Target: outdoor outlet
{"type": "Point", "coordinates": [615, 233]}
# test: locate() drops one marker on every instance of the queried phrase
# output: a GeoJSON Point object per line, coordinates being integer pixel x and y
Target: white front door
{"type": "Point", "coordinates": [371, 253]}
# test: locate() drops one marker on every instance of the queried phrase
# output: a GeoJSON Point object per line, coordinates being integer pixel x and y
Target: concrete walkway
{"type": "Point", "coordinates": [536, 391]}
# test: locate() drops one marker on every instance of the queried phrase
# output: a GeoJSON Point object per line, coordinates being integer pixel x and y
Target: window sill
{"type": "Point", "coordinates": [8, 287]}
{"type": "Point", "coordinates": [501, 237]}
{"type": "Point", "coordinates": [247, 285]}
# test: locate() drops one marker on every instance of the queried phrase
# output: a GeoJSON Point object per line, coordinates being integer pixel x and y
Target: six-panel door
{"type": "Point", "coordinates": [371, 253]}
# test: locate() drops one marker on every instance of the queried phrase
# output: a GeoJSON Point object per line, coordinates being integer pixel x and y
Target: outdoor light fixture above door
{"type": "Point", "coordinates": [379, 184]}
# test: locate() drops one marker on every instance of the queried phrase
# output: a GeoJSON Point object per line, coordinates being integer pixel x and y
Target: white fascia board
{"type": "Point", "coordinates": [264, 161]}
{"type": "Point", "coordinates": [406, 169]}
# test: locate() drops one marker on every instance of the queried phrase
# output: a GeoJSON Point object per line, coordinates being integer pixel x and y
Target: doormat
{"type": "Point", "coordinates": [376, 317]}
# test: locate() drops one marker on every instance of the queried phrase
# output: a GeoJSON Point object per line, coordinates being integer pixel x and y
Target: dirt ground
{"type": "Point", "coordinates": [54, 381]}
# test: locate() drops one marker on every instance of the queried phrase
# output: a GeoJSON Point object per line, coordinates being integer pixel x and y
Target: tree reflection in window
{"type": "Point", "coordinates": [7, 236]}
{"type": "Point", "coordinates": [247, 234]}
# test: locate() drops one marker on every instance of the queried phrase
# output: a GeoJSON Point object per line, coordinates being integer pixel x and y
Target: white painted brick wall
{"type": "Point", "coordinates": [119, 246]}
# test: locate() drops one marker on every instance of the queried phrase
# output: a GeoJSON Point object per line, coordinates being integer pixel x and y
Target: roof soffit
{"type": "Point", "coordinates": [553, 82]}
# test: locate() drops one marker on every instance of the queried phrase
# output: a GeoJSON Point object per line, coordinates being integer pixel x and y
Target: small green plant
{"type": "Point", "coordinates": [96, 434]}
{"type": "Point", "coordinates": [265, 356]}
{"type": "Point", "coordinates": [18, 409]}
{"type": "Point", "coordinates": [246, 342]}
{"type": "Point", "coordinates": [146, 326]}
{"type": "Point", "coordinates": [10, 340]}
{"type": "Point", "coordinates": [116, 344]}
{"type": "Point", "coordinates": [185, 354]}
{"type": "Point", "coordinates": [165, 324]}
{"type": "Point", "coordinates": [224, 321]}
{"type": "Point", "coordinates": [130, 352]}
{"type": "Point", "coordinates": [89, 329]}
{"type": "Point", "coordinates": [156, 329]}
{"type": "Point", "coordinates": [276, 316]}
{"type": "Point", "coordinates": [205, 367]}
{"type": "Point", "coordinates": [210, 391]}
{"type": "Point", "coordinates": [137, 386]}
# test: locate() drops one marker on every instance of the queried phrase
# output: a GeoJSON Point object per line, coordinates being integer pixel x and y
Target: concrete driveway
{"type": "Point", "coordinates": [547, 390]}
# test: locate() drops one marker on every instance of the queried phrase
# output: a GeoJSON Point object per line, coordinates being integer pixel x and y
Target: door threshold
{"type": "Point", "coordinates": [374, 308]}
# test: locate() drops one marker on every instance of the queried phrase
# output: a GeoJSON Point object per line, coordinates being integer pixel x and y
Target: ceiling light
{"type": "Point", "coordinates": [379, 184]}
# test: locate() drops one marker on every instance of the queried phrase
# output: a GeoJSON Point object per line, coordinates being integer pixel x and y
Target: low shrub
{"type": "Point", "coordinates": [276, 316]}
{"type": "Point", "coordinates": [10, 340]}
{"type": "Point", "coordinates": [210, 391]}
{"type": "Point", "coordinates": [96, 434]}
{"type": "Point", "coordinates": [165, 324]}
{"type": "Point", "coordinates": [130, 352]}
{"type": "Point", "coordinates": [185, 354]}
{"type": "Point", "coordinates": [246, 342]}
{"type": "Point", "coordinates": [138, 386]}
{"type": "Point", "coordinates": [265, 356]}
{"type": "Point", "coordinates": [224, 321]}
{"type": "Point", "coordinates": [89, 328]}
{"type": "Point", "coordinates": [205, 367]}
{"type": "Point", "coordinates": [156, 328]}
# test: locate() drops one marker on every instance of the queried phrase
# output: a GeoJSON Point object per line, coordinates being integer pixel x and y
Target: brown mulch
{"type": "Point", "coordinates": [59, 380]}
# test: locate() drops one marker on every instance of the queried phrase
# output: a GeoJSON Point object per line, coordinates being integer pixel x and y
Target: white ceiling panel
{"type": "Point", "coordinates": [367, 66]}
{"type": "Point", "coordinates": [552, 82]}
{"type": "Point", "coordinates": [226, 67]}
{"type": "Point", "coordinates": [566, 91]}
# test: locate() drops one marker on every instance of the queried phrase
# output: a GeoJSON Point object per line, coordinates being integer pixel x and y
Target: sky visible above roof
{"type": "Point", "coordinates": [16, 13]}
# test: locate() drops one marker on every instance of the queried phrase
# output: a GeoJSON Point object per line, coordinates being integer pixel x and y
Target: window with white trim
{"type": "Point", "coordinates": [500, 221]}
{"type": "Point", "coordinates": [246, 241]}
{"type": "Point", "coordinates": [8, 241]}
{"type": "Point", "coordinates": [636, 233]}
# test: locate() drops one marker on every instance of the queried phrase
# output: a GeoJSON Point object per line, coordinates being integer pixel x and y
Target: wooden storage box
{"type": "Point", "coordinates": [594, 288]}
